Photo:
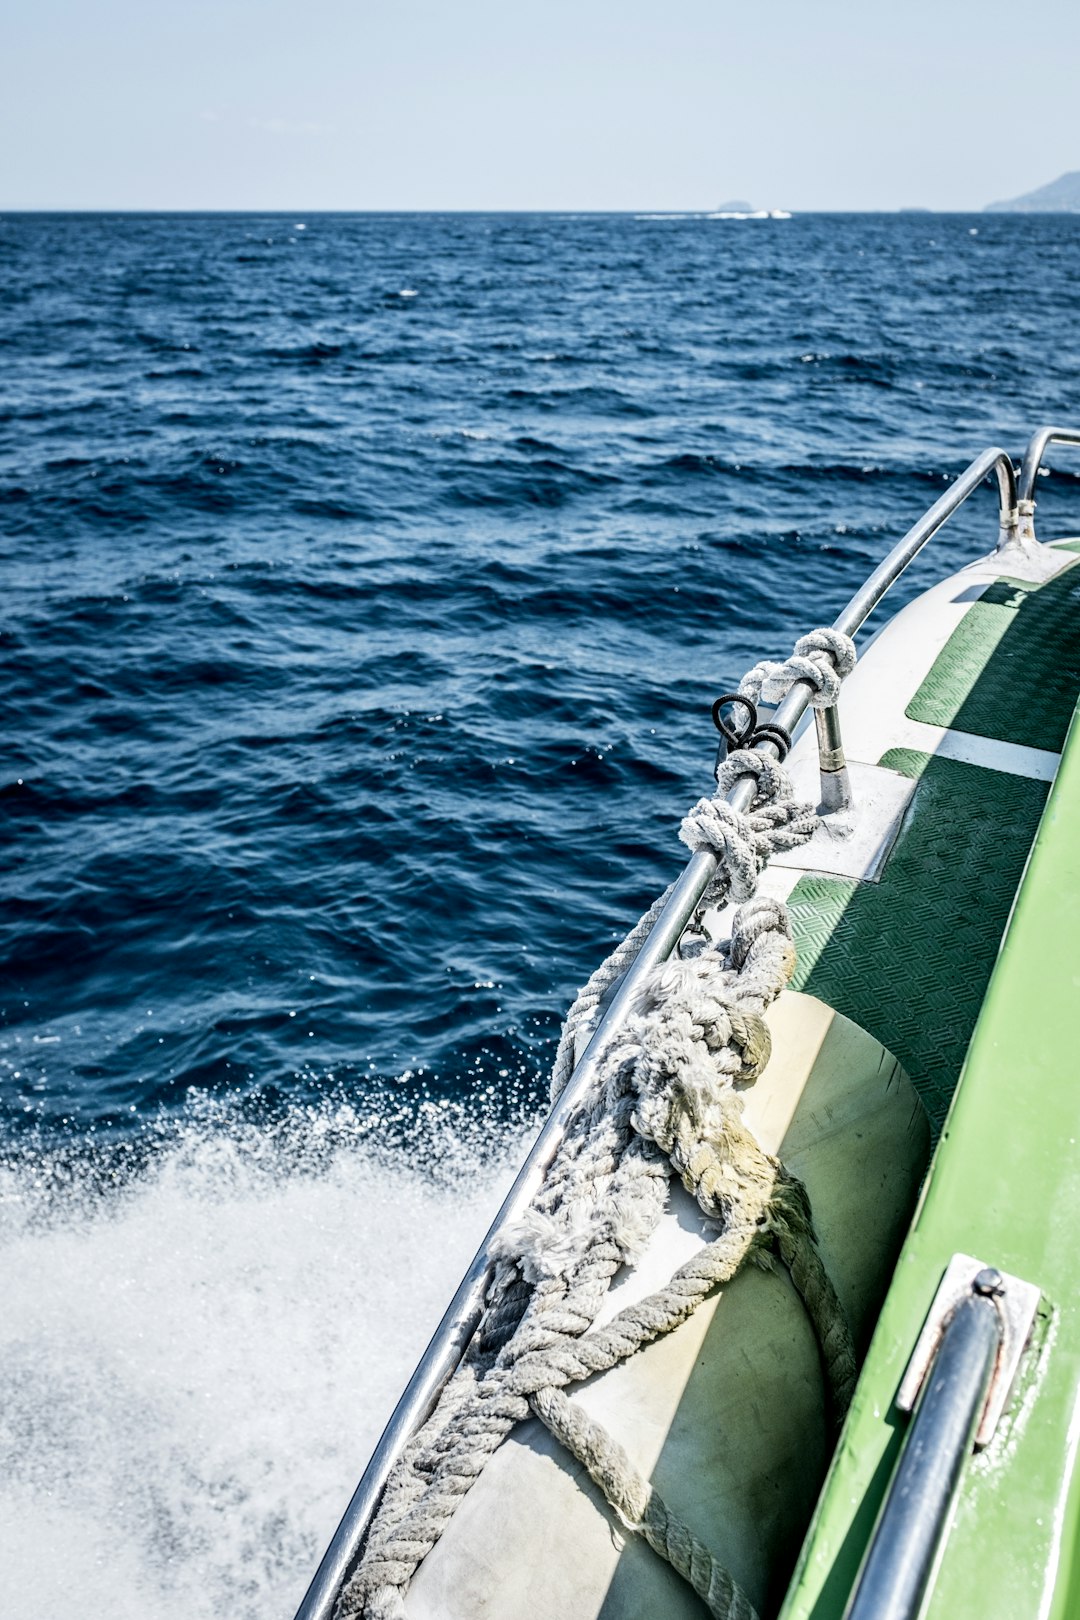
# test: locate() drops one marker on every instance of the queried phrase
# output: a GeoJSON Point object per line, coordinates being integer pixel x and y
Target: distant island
{"type": "Point", "coordinates": [1061, 196]}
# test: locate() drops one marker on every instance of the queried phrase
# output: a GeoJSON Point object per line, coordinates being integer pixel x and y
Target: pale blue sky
{"type": "Point", "coordinates": [605, 104]}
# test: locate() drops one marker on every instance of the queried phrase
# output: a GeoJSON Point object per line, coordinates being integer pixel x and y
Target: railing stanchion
{"type": "Point", "coordinates": [832, 764]}
{"type": "Point", "coordinates": [1029, 472]}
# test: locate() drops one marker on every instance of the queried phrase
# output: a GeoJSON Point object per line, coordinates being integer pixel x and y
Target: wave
{"type": "Point", "coordinates": [203, 1335]}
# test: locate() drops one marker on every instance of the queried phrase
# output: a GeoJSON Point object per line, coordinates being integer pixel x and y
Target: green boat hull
{"type": "Point", "coordinates": [1005, 1181]}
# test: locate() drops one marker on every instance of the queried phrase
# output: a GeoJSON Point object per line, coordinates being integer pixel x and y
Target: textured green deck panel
{"type": "Point", "coordinates": [994, 677]}
{"type": "Point", "coordinates": [909, 958]}
{"type": "Point", "coordinates": [1005, 1187]}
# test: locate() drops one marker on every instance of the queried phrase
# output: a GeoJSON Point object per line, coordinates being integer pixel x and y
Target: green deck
{"type": "Point", "coordinates": [1005, 1184]}
{"type": "Point", "coordinates": [996, 677]}
{"type": "Point", "coordinates": [912, 973]}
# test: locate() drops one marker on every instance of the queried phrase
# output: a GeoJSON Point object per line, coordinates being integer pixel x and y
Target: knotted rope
{"type": "Point", "coordinates": [666, 1099]}
{"type": "Point", "coordinates": [743, 843]}
{"type": "Point", "coordinates": [823, 659]}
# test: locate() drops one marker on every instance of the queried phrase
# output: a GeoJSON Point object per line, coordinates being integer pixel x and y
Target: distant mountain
{"type": "Point", "coordinates": [1059, 197]}
{"type": "Point", "coordinates": [737, 207]}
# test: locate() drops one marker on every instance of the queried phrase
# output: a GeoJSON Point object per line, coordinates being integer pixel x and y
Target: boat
{"type": "Point", "coordinates": [781, 1316]}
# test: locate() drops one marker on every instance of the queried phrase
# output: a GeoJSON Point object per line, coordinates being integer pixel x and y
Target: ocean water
{"type": "Point", "coordinates": [366, 583]}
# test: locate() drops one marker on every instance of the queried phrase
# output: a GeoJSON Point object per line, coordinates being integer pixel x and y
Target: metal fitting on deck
{"type": "Point", "coordinates": [835, 781]}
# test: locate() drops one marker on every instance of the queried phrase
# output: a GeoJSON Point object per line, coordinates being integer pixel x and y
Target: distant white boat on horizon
{"type": "Point", "coordinates": [752, 213]}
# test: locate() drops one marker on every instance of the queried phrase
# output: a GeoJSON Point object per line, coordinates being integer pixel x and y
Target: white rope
{"type": "Point", "coordinates": [744, 843]}
{"type": "Point", "coordinates": [823, 659]}
{"type": "Point", "coordinates": [665, 1099]}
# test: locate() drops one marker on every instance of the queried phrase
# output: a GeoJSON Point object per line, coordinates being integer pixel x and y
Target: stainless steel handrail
{"type": "Point", "coordinates": [452, 1336]}
{"type": "Point", "coordinates": [903, 1548]}
{"type": "Point", "coordinates": [1029, 471]}
{"type": "Point", "coordinates": [995, 461]}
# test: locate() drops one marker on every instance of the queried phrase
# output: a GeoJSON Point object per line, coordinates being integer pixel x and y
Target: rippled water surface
{"type": "Point", "coordinates": [366, 583]}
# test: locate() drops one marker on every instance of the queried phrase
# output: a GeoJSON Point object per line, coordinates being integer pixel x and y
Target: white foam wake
{"type": "Point", "coordinates": [196, 1362]}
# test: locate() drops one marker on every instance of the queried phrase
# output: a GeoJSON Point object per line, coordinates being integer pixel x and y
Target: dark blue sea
{"type": "Point", "coordinates": [366, 583]}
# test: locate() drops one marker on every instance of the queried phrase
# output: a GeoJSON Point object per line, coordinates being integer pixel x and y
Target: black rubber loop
{"type": "Point", "coordinates": [733, 736]}
{"type": "Point", "coordinates": [768, 732]}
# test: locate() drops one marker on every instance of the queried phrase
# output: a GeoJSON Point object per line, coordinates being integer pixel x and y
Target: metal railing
{"type": "Point", "coordinates": [886, 574]}
{"type": "Point", "coordinates": [903, 1548]}
{"type": "Point", "coordinates": [462, 1317]}
{"type": "Point", "coordinates": [959, 1382]}
{"type": "Point", "coordinates": [1040, 440]}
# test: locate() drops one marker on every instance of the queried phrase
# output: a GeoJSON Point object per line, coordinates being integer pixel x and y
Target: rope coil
{"type": "Point", "coordinates": [667, 1101]}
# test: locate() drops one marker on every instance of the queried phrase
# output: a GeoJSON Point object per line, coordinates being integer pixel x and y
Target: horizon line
{"type": "Point", "coordinates": [669, 212]}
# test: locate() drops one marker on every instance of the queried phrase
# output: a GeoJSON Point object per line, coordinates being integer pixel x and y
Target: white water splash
{"type": "Point", "coordinates": [195, 1364]}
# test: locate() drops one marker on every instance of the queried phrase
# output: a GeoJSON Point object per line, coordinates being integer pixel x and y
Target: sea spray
{"type": "Point", "coordinates": [197, 1356]}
